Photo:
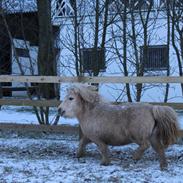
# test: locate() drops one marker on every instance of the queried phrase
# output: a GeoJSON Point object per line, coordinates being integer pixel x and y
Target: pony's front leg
{"type": "Point", "coordinates": [82, 144]}
{"type": "Point", "coordinates": [104, 153]}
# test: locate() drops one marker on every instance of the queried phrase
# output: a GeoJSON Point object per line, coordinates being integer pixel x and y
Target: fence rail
{"type": "Point", "coordinates": [55, 103]}
{"type": "Point", "coordinates": [106, 79]}
{"type": "Point", "coordinates": [57, 79]}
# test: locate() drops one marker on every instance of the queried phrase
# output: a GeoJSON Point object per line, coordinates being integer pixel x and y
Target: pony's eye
{"type": "Point", "coordinates": [71, 98]}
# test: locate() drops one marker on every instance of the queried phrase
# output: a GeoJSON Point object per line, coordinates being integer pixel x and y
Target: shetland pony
{"type": "Point", "coordinates": [105, 124]}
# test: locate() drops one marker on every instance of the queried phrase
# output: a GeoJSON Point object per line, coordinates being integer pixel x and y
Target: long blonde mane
{"type": "Point", "coordinates": [89, 93]}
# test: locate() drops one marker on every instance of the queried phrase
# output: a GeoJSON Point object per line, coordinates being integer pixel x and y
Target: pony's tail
{"type": "Point", "coordinates": [166, 123]}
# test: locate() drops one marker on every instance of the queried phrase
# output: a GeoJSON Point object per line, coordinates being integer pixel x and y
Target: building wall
{"type": "Point", "coordinates": [28, 64]}
{"type": "Point", "coordinates": [157, 35]}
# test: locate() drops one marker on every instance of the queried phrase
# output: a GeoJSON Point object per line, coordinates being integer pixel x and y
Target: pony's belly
{"type": "Point", "coordinates": [116, 138]}
{"type": "Point", "coordinates": [116, 141]}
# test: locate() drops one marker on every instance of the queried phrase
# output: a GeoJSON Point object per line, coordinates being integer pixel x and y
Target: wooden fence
{"type": "Point", "coordinates": [112, 79]}
{"type": "Point", "coordinates": [56, 79]}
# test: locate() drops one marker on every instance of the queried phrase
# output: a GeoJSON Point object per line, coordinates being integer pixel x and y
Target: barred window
{"type": "Point", "coordinates": [154, 58]}
{"type": "Point", "coordinates": [21, 52]}
{"type": "Point", "coordinates": [92, 59]}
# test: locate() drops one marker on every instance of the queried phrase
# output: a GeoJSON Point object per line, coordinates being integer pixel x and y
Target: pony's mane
{"type": "Point", "coordinates": [88, 92]}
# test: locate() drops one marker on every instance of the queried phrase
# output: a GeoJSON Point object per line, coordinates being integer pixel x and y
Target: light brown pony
{"type": "Point", "coordinates": [106, 124]}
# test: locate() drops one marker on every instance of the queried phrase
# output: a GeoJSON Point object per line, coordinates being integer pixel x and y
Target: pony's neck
{"type": "Point", "coordinates": [85, 111]}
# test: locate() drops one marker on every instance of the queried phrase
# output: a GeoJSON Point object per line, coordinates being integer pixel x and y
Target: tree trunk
{"type": "Point", "coordinates": [168, 44]}
{"type": "Point", "coordinates": [96, 69]}
{"type": "Point", "coordinates": [124, 18]}
{"type": "Point", "coordinates": [175, 18]}
{"type": "Point", "coordinates": [145, 21]}
{"type": "Point", "coordinates": [46, 56]}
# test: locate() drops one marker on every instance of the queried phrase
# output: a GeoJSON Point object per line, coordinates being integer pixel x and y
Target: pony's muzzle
{"type": "Point", "coordinates": [61, 111]}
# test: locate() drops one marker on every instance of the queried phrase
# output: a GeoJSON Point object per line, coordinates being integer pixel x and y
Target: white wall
{"type": "Point", "coordinates": [157, 36]}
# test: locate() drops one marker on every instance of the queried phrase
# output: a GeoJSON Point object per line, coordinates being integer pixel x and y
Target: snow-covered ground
{"type": "Point", "coordinates": [25, 115]}
{"type": "Point", "coordinates": [52, 160]}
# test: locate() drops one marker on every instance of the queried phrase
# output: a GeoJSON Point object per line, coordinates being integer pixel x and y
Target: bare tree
{"type": "Point", "coordinates": [19, 65]}
{"type": "Point", "coordinates": [132, 26]}
{"type": "Point", "coordinates": [46, 55]}
{"type": "Point", "coordinates": [144, 17]}
{"type": "Point", "coordinates": [122, 11]}
{"type": "Point", "coordinates": [88, 29]}
{"type": "Point", "coordinates": [176, 14]}
{"type": "Point", "coordinates": [132, 17]}
{"type": "Point", "coordinates": [167, 3]}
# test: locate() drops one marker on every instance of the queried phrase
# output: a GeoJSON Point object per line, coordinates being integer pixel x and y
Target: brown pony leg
{"type": "Point", "coordinates": [104, 153]}
{"type": "Point", "coordinates": [140, 151]}
{"type": "Point", "coordinates": [159, 148]}
{"type": "Point", "coordinates": [82, 144]}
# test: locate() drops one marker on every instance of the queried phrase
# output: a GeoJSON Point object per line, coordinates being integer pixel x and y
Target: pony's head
{"type": "Point", "coordinates": [78, 96]}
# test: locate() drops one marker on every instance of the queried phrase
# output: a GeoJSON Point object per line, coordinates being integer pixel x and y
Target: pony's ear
{"type": "Point", "coordinates": [72, 90]}
{"type": "Point", "coordinates": [87, 92]}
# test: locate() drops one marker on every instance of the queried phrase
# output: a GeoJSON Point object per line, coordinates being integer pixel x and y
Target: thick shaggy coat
{"type": "Point", "coordinates": [106, 124]}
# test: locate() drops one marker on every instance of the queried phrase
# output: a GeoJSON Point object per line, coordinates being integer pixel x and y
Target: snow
{"type": "Point", "coordinates": [25, 115]}
{"type": "Point", "coordinates": [52, 160]}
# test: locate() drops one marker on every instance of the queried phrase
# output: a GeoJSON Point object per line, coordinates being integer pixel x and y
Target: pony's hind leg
{"type": "Point", "coordinates": [159, 148]}
{"type": "Point", "coordinates": [137, 155]}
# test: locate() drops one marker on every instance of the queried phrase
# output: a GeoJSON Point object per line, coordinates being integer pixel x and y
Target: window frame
{"type": "Point", "coordinates": [88, 60]}
{"type": "Point", "coordinates": [157, 58]}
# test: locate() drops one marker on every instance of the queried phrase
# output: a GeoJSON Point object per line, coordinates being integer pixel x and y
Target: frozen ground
{"type": "Point", "coordinates": [52, 160]}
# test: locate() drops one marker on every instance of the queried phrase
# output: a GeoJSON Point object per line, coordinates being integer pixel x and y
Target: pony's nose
{"type": "Point", "coordinates": [61, 111]}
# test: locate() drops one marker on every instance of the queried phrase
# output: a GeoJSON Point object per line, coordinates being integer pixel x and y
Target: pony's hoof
{"type": "Point", "coordinates": [79, 155]}
{"type": "Point", "coordinates": [163, 166]}
{"type": "Point", "coordinates": [136, 156]}
{"type": "Point", "coordinates": [105, 163]}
